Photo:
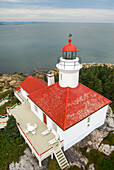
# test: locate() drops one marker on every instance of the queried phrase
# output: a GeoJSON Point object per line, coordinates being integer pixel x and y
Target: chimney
{"type": "Point", "coordinates": [50, 78]}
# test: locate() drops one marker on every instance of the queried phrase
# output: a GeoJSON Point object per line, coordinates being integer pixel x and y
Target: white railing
{"type": "Point", "coordinates": [47, 153]}
{"type": "Point", "coordinates": [8, 108]}
{"type": "Point", "coordinates": [18, 97]}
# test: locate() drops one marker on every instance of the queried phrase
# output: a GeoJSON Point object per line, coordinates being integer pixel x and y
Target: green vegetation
{"type": "Point", "coordinates": [109, 139]}
{"type": "Point", "coordinates": [100, 160]}
{"type": "Point", "coordinates": [53, 165]}
{"type": "Point", "coordinates": [1, 88]}
{"type": "Point", "coordinates": [12, 145]}
{"type": "Point", "coordinates": [100, 79]}
{"type": "Point", "coordinates": [13, 100]}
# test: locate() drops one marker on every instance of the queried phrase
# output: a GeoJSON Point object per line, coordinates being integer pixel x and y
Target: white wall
{"type": "Point", "coordinates": [69, 78]}
{"type": "Point", "coordinates": [24, 93]}
{"type": "Point", "coordinates": [37, 112]}
{"type": "Point", "coordinates": [81, 129]}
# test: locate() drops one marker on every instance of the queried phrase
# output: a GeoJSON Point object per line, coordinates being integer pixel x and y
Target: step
{"type": "Point", "coordinates": [64, 166]}
{"type": "Point", "coordinates": [58, 152]}
{"type": "Point", "coordinates": [61, 159]}
{"type": "Point", "coordinates": [63, 162]}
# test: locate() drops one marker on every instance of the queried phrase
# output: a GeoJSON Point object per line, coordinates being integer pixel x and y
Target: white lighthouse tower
{"type": "Point", "coordinates": [69, 66]}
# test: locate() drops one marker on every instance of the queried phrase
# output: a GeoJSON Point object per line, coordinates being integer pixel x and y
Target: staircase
{"type": "Point", "coordinates": [61, 159]}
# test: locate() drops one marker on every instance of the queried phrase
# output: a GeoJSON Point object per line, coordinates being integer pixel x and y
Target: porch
{"type": "Point", "coordinates": [39, 144]}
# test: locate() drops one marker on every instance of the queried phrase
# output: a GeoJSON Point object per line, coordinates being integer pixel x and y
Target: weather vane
{"type": "Point", "coordinates": [70, 35]}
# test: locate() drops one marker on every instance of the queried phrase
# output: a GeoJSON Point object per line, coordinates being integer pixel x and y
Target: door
{"type": "Point", "coordinates": [45, 120]}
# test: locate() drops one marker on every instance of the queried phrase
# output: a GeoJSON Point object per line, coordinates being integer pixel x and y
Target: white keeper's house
{"type": "Point", "coordinates": [58, 115]}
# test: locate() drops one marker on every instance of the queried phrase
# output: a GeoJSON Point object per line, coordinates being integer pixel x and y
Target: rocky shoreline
{"type": "Point", "coordinates": [13, 80]}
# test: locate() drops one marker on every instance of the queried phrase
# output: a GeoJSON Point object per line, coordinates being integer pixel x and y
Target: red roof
{"type": "Point", "coordinates": [67, 106]}
{"type": "Point", "coordinates": [32, 84]}
{"type": "Point", "coordinates": [18, 89]}
{"type": "Point", "coordinates": [69, 47]}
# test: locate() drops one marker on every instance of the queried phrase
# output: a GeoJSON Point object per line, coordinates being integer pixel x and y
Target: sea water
{"type": "Point", "coordinates": [28, 46]}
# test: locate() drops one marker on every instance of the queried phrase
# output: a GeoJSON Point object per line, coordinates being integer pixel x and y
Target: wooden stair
{"type": "Point", "coordinates": [61, 159]}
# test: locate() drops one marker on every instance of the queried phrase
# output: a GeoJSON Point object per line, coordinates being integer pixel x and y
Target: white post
{"type": "Point", "coordinates": [40, 163]}
{"type": "Point", "coordinates": [51, 155]}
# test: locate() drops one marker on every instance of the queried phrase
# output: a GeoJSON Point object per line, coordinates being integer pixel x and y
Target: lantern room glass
{"type": "Point", "coordinates": [69, 55]}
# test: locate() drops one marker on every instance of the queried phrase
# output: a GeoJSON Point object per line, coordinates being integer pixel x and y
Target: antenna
{"type": "Point", "coordinates": [70, 35]}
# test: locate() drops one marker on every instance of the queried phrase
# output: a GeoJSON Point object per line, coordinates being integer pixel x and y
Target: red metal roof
{"type": "Point", "coordinates": [32, 84]}
{"type": "Point", "coordinates": [67, 106]}
{"type": "Point", "coordinates": [69, 47]}
{"type": "Point", "coordinates": [18, 89]}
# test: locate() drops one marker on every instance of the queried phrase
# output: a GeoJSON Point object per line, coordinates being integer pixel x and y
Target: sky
{"type": "Point", "coordinates": [90, 11]}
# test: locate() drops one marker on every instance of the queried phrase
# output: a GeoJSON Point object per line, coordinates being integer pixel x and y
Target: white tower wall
{"type": "Point", "coordinates": [69, 72]}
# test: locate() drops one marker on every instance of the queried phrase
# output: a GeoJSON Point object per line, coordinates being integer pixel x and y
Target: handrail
{"type": "Point", "coordinates": [27, 138]}
{"type": "Point", "coordinates": [3, 122]}
{"type": "Point", "coordinates": [19, 96]}
{"type": "Point", "coordinates": [31, 143]}
{"type": "Point", "coordinates": [46, 151]}
{"type": "Point", "coordinates": [10, 107]}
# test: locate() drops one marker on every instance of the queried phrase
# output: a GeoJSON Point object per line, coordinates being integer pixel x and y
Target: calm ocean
{"type": "Point", "coordinates": [24, 47]}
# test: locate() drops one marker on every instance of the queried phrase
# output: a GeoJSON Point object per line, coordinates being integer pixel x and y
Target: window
{"type": "Point", "coordinates": [88, 119]}
{"type": "Point", "coordinates": [35, 108]}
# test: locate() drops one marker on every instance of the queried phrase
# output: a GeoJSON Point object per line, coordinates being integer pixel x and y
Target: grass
{"type": "Point", "coordinates": [100, 160]}
{"type": "Point", "coordinates": [109, 139]}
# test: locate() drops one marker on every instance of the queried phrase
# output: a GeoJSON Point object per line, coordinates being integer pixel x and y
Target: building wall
{"type": "Point", "coordinates": [24, 93]}
{"type": "Point", "coordinates": [36, 110]}
{"type": "Point", "coordinates": [79, 131]}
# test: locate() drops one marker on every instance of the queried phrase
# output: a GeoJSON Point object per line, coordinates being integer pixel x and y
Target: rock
{"type": "Point", "coordinates": [12, 83]}
{"type": "Point", "coordinates": [110, 121]}
{"type": "Point", "coordinates": [88, 149]}
{"type": "Point", "coordinates": [38, 75]}
{"type": "Point", "coordinates": [12, 166]}
{"type": "Point", "coordinates": [75, 157]}
{"type": "Point", "coordinates": [106, 149]}
{"type": "Point", "coordinates": [2, 80]}
{"type": "Point", "coordinates": [91, 167]}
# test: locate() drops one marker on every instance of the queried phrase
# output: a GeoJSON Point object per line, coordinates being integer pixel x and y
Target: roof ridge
{"type": "Point", "coordinates": [66, 107]}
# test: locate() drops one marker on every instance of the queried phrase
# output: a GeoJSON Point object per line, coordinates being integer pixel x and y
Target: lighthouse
{"type": "Point", "coordinates": [69, 66]}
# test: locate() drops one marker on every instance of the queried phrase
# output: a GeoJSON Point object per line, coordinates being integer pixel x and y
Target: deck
{"type": "Point", "coordinates": [24, 115]}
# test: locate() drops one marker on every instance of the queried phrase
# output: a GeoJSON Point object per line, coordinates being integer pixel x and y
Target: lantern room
{"type": "Point", "coordinates": [69, 51]}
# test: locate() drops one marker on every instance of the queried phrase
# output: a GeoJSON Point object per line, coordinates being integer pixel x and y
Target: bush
{"type": "Point", "coordinates": [19, 140]}
{"type": "Point", "coordinates": [11, 129]}
{"type": "Point", "coordinates": [109, 139]}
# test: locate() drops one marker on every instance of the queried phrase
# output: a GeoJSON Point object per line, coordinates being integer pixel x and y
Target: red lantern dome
{"type": "Point", "coordinates": [69, 47]}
